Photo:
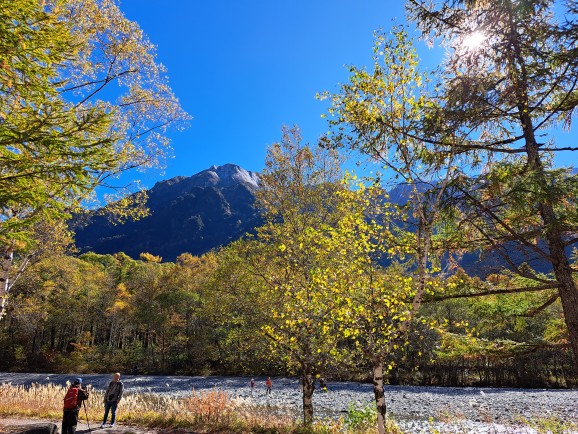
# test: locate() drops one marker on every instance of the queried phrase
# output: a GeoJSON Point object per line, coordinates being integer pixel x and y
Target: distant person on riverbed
{"type": "Point", "coordinates": [269, 385]}
{"type": "Point", "coordinates": [112, 397]}
{"type": "Point", "coordinates": [72, 403]}
{"type": "Point", "coordinates": [322, 384]}
{"type": "Point", "coordinates": [252, 385]}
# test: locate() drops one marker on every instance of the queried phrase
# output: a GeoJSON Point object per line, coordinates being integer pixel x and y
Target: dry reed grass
{"type": "Point", "coordinates": [211, 410]}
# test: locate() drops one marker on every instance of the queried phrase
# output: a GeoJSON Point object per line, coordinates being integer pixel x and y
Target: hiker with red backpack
{"type": "Point", "coordinates": [73, 399]}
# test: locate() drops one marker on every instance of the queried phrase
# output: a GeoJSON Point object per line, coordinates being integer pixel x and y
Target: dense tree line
{"type": "Point", "coordinates": [306, 295]}
{"type": "Point", "coordinates": [97, 313]}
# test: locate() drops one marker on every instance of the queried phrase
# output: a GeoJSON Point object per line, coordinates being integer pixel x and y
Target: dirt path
{"type": "Point", "coordinates": [82, 427]}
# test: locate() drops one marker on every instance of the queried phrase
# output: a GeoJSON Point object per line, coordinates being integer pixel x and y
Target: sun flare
{"type": "Point", "coordinates": [474, 40]}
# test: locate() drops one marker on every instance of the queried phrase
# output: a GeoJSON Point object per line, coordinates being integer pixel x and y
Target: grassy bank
{"type": "Point", "coordinates": [206, 411]}
{"type": "Point", "coordinates": [212, 411]}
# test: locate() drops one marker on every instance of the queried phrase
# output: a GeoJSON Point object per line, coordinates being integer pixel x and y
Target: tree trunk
{"type": "Point", "coordinates": [554, 236]}
{"type": "Point", "coordinates": [52, 337]}
{"type": "Point", "coordinates": [377, 369]}
{"type": "Point", "coordinates": [5, 280]}
{"type": "Point", "coordinates": [308, 389]}
{"type": "Point", "coordinates": [111, 335]}
{"type": "Point", "coordinates": [567, 290]}
{"type": "Point", "coordinates": [163, 350]}
{"type": "Point", "coordinates": [558, 257]}
{"type": "Point", "coordinates": [555, 241]}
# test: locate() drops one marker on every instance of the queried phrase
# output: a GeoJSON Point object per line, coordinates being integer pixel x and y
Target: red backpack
{"type": "Point", "coordinates": [71, 398]}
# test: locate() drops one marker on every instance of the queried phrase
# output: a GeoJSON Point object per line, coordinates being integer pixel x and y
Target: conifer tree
{"type": "Point", "coordinates": [510, 80]}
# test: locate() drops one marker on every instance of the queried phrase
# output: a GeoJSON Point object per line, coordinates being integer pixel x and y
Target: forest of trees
{"type": "Point", "coordinates": [338, 281]}
{"type": "Point", "coordinates": [97, 313]}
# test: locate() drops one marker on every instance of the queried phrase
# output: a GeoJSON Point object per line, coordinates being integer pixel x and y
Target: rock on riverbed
{"type": "Point", "coordinates": [415, 409]}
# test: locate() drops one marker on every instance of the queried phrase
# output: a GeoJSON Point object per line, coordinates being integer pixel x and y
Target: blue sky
{"type": "Point", "coordinates": [243, 69]}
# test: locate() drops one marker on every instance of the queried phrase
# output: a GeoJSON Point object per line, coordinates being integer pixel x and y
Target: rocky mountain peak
{"type": "Point", "coordinates": [230, 174]}
{"type": "Point", "coordinates": [187, 214]}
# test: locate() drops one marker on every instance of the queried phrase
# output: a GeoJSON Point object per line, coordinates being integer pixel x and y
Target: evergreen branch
{"type": "Point", "coordinates": [494, 292]}
{"type": "Point", "coordinates": [541, 308]}
{"type": "Point", "coordinates": [485, 210]}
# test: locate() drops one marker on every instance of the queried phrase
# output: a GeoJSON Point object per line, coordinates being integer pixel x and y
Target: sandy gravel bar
{"type": "Point", "coordinates": [416, 409]}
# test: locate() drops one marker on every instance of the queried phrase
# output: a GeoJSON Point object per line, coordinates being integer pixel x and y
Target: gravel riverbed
{"type": "Point", "coordinates": [415, 409]}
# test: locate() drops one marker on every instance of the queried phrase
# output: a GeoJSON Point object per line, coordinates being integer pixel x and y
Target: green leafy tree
{"type": "Point", "coordinates": [317, 263]}
{"type": "Point", "coordinates": [378, 113]}
{"type": "Point", "coordinates": [515, 337]}
{"type": "Point", "coordinates": [378, 307]}
{"type": "Point", "coordinates": [372, 306]}
{"type": "Point", "coordinates": [64, 129]}
{"type": "Point", "coordinates": [35, 124]}
{"type": "Point", "coordinates": [298, 199]}
{"type": "Point", "coordinates": [237, 310]}
{"type": "Point", "coordinates": [510, 77]}
{"type": "Point", "coordinates": [187, 298]}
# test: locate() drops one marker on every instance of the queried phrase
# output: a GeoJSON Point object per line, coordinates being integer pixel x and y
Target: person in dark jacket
{"type": "Point", "coordinates": [112, 397]}
{"type": "Point", "coordinates": [70, 413]}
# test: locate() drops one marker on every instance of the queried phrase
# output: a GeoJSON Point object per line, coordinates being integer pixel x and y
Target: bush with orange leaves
{"type": "Point", "coordinates": [210, 406]}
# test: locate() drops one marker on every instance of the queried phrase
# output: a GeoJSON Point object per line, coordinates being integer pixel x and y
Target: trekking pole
{"type": "Point", "coordinates": [86, 414]}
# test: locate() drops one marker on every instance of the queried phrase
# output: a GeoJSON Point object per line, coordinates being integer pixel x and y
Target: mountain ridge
{"type": "Point", "coordinates": [187, 215]}
{"type": "Point", "coordinates": [215, 207]}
